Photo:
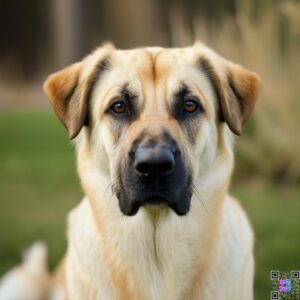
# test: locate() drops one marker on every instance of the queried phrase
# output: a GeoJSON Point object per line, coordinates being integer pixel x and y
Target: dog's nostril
{"type": "Point", "coordinates": [143, 167]}
{"type": "Point", "coordinates": [166, 166]}
{"type": "Point", "coordinates": [150, 160]}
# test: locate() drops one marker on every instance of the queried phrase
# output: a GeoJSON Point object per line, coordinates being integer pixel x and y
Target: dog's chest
{"type": "Point", "coordinates": [145, 261]}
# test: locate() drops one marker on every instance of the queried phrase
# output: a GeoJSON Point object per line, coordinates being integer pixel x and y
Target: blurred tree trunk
{"type": "Point", "coordinates": [283, 32]}
{"type": "Point", "coordinates": [67, 31]}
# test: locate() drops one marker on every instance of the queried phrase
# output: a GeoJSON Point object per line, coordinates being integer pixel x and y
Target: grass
{"type": "Point", "coordinates": [274, 214]}
{"type": "Point", "coordinates": [38, 185]}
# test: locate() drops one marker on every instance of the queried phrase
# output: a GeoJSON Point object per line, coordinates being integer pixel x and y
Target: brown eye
{"type": "Point", "coordinates": [119, 107]}
{"type": "Point", "coordinates": [190, 106]}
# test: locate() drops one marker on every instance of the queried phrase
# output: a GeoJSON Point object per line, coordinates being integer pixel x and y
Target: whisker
{"type": "Point", "coordinates": [107, 188]}
{"type": "Point", "coordinates": [114, 188]}
{"type": "Point", "coordinates": [111, 186]}
{"type": "Point", "coordinates": [195, 189]}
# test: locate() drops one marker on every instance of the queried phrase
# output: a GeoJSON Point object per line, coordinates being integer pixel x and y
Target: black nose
{"type": "Point", "coordinates": [153, 160]}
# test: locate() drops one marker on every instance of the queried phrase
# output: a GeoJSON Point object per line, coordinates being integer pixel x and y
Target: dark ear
{"type": "Point", "coordinates": [239, 96]}
{"type": "Point", "coordinates": [236, 89]}
{"type": "Point", "coordinates": [67, 98]}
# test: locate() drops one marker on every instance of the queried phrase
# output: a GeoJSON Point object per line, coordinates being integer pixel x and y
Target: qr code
{"type": "Point", "coordinates": [274, 295]}
{"type": "Point", "coordinates": [285, 285]}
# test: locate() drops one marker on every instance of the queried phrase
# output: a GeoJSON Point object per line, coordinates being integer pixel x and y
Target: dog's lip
{"type": "Point", "coordinates": [155, 202]}
{"type": "Point", "coordinates": [156, 199]}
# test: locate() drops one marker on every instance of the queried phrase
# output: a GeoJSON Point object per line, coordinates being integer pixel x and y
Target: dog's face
{"type": "Point", "coordinates": [154, 117]}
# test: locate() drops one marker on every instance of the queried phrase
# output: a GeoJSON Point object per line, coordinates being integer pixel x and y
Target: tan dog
{"type": "Point", "coordinates": [153, 130]}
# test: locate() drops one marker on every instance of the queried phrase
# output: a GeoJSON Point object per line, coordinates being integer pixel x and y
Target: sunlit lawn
{"type": "Point", "coordinates": [38, 185]}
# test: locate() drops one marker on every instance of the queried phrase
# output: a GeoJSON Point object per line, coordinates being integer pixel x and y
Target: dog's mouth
{"type": "Point", "coordinates": [156, 202]}
{"type": "Point", "coordinates": [176, 198]}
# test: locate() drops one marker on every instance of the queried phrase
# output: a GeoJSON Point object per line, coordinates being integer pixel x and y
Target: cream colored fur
{"type": "Point", "coordinates": [30, 280]}
{"type": "Point", "coordinates": [156, 254]}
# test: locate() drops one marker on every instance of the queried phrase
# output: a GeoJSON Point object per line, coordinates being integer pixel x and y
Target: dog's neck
{"type": "Point", "coordinates": [155, 249]}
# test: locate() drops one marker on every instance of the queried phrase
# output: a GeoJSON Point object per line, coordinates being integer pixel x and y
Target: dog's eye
{"type": "Point", "coordinates": [119, 107]}
{"type": "Point", "coordinates": [190, 106]}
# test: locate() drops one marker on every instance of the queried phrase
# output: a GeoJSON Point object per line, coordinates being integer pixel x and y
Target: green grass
{"type": "Point", "coordinates": [275, 215]}
{"type": "Point", "coordinates": [38, 185]}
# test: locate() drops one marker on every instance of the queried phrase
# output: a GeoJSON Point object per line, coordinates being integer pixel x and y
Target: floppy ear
{"type": "Point", "coordinates": [67, 98]}
{"type": "Point", "coordinates": [236, 89]}
{"type": "Point", "coordinates": [240, 92]}
{"type": "Point", "coordinates": [69, 90]}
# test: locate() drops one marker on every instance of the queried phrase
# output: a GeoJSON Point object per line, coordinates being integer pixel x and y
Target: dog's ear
{"type": "Point", "coordinates": [240, 92]}
{"type": "Point", "coordinates": [66, 96]}
{"type": "Point", "coordinates": [69, 90]}
{"type": "Point", "coordinates": [236, 88]}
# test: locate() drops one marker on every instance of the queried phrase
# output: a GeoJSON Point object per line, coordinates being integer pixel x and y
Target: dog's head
{"type": "Point", "coordinates": [155, 117]}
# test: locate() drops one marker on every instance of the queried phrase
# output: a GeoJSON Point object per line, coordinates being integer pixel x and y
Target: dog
{"type": "Point", "coordinates": [154, 133]}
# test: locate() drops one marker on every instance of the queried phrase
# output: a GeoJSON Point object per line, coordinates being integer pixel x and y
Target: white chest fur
{"type": "Point", "coordinates": [159, 256]}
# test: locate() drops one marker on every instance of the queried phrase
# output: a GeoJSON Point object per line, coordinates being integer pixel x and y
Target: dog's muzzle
{"type": "Point", "coordinates": [154, 175]}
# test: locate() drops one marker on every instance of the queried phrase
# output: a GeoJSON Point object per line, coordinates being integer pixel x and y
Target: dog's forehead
{"type": "Point", "coordinates": [153, 63]}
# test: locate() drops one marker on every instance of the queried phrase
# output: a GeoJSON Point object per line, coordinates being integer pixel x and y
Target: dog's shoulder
{"type": "Point", "coordinates": [80, 221]}
{"type": "Point", "coordinates": [237, 238]}
{"type": "Point", "coordinates": [236, 222]}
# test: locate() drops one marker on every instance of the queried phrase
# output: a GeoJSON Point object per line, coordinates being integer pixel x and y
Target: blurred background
{"type": "Point", "coordinates": [38, 182]}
